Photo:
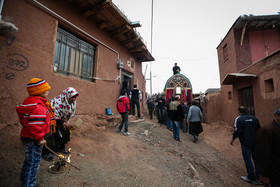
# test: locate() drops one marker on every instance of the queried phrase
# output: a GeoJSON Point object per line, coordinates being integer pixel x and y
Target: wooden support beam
{"type": "Point", "coordinates": [102, 25]}
{"type": "Point", "coordinates": [90, 12]}
{"type": "Point", "coordinates": [141, 53]}
{"type": "Point", "coordinates": [130, 41]}
{"type": "Point", "coordinates": [122, 29]}
{"type": "Point", "coordinates": [96, 7]}
{"type": "Point", "coordinates": [137, 49]}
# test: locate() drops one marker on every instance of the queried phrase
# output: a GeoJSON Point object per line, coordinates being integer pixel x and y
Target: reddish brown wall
{"type": "Point", "coordinates": [34, 43]}
{"type": "Point", "coordinates": [211, 108]}
{"type": "Point", "coordinates": [240, 58]}
{"type": "Point", "coordinates": [220, 107]}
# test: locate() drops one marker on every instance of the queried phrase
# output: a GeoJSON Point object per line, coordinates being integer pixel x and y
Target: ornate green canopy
{"type": "Point", "coordinates": [178, 80]}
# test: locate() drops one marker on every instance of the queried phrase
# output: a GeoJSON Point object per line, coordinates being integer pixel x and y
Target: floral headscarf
{"type": "Point", "coordinates": [64, 110]}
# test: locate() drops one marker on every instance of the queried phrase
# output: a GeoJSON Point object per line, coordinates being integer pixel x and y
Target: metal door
{"type": "Point", "coordinates": [247, 99]}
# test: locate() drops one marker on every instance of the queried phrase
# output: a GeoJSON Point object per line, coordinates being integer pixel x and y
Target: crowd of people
{"type": "Point", "coordinates": [176, 114]}
{"type": "Point", "coordinates": [46, 127]}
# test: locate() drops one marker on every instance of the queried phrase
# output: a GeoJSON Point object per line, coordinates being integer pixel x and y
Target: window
{"type": "Point", "coordinates": [73, 56]}
{"type": "Point", "coordinates": [269, 87]}
{"type": "Point", "coordinates": [229, 95]}
{"type": "Point", "coordinates": [225, 52]}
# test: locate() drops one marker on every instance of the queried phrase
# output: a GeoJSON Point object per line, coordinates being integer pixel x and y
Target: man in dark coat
{"type": "Point", "coordinates": [268, 152]}
{"type": "Point", "coordinates": [246, 128]}
{"type": "Point", "coordinates": [151, 107]}
{"type": "Point", "coordinates": [177, 115]}
{"type": "Point", "coordinates": [134, 96]}
{"type": "Point", "coordinates": [176, 69]}
{"type": "Point", "coordinates": [161, 108]}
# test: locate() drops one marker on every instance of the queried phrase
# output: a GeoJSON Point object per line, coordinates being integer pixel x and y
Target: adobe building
{"type": "Point", "coordinates": [89, 45]}
{"type": "Point", "coordinates": [249, 61]}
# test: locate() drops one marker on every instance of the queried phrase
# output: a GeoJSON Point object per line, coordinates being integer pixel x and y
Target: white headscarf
{"type": "Point", "coordinates": [62, 109]}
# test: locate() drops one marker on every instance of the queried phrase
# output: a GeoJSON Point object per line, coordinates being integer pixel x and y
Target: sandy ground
{"type": "Point", "coordinates": [149, 157]}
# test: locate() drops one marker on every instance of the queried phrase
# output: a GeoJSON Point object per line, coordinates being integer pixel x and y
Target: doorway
{"type": "Point", "coordinates": [247, 99]}
{"type": "Point", "coordinates": [126, 82]}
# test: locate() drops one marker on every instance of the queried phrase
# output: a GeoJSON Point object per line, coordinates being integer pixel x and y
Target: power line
{"type": "Point", "coordinates": [184, 60]}
{"type": "Point", "coordinates": [152, 20]}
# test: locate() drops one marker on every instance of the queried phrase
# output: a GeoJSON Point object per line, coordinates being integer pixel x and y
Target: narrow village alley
{"type": "Point", "coordinates": [149, 157]}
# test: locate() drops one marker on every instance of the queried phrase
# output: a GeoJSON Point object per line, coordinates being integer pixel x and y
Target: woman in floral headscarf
{"type": "Point", "coordinates": [64, 107]}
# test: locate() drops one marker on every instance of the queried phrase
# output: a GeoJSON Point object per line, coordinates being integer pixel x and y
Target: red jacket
{"type": "Point", "coordinates": [34, 118]}
{"type": "Point", "coordinates": [123, 104]}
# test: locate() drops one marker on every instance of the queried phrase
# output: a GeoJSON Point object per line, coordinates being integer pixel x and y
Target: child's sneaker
{"type": "Point", "coordinates": [126, 133]}
{"type": "Point", "coordinates": [119, 130]}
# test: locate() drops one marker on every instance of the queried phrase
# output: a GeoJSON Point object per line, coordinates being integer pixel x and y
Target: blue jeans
{"type": "Point", "coordinates": [169, 123]}
{"type": "Point", "coordinates": [248, 154]}
{"type": "Point", "coordinates": [30, 167]}
{"type": "Point", "coordinates": [176, 130]}
{"type": "Point", "coordinates": [124, 121]}
{"type": "Point", "coordinates": [161, 114]}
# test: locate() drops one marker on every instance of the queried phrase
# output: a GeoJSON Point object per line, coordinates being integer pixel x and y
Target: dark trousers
{"type": "Point", "coordinates": [249, 154]}
{"type": "Point", "coordinates": [151, 111]}
{"type": "Point", "coordinates": [124, 121]}
{"type": "Point", "coordinates": [135, 102]}
{"type": "Point", "coordinates": [161, 115]}
{"type": "Point", "coordinates": [58, 140]}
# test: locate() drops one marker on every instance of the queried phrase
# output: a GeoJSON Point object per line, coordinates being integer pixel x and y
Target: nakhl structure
{"type": "Point", "coordinates": [178, 84]}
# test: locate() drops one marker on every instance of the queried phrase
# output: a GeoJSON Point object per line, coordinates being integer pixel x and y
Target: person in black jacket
{"type": "Point", "coordinates": [134, 96]}
{"type": "Point", "coordinates": [151, 107]}
{"type": "Point", "coordinates": [268, 152]}
{"type": "Point", "coordinates": [176, 69]}
{"type": "Point", "coordinates": [161, 109]}
{"type": "Point", "coordinates": [246, 128]}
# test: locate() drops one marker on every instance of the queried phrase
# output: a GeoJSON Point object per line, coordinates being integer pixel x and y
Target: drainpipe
{"type": "Point", "coordinates": [1, 6]}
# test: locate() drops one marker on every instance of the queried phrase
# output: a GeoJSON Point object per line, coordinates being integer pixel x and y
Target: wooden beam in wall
{"type": "Point", "coordinates": [258, 25]}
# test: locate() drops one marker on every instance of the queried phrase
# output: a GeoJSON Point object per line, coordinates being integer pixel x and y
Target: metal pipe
{"type": "Point", "coordinates": [1, 6]}
{"type": "Point", "coordinates": [152, 21]}
{"type": "Point", "coordinates": [76, 27]}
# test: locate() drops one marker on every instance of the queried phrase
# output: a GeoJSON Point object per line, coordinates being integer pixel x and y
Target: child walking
{"type": "Point", "coordinates": [35, 115]}
{"type": "Point", "coordinates": [123, 107]}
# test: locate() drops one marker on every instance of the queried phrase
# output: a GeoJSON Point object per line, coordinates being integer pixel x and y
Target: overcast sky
{"type": "Point", "coordinates": [188, 32]}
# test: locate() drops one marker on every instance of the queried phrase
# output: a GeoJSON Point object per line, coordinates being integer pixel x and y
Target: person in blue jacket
{"type": "Point", "coordinates": [246, 128]}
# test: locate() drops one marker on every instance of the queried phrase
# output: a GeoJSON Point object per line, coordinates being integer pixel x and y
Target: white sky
{"type": "Point", "coordinates": [188, 32]}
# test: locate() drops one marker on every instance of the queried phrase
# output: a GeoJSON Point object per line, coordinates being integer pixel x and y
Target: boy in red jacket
{"type": "Point", "coordinates": [34, 115]}
{"type": "Point", "coordinates": [123, 107]}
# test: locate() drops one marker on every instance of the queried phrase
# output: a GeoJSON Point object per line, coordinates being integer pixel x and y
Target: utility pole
{"type": "Point", "coordinates": [152, 17]}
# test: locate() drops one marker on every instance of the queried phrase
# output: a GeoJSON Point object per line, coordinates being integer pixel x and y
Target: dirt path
{"type": "Point", "coordinates": [149, 157]}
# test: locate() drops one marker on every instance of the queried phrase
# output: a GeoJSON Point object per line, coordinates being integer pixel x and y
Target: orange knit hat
{"type": "Point", "coordinates": [37, 86]}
